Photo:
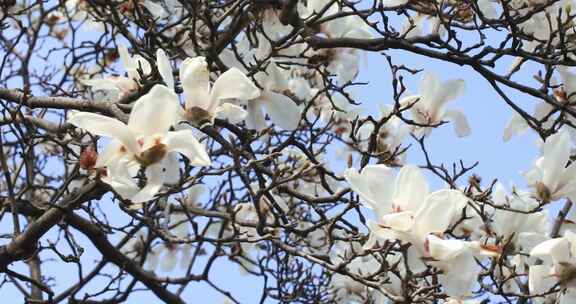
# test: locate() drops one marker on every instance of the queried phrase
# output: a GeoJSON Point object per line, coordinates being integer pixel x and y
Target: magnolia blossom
{"type": "Point", "coordinates": [429, 107]}
{"type": "Point", "coordinates": [118, 86]}
{"type": "Point", "coordinates": [168, 254]}
{"type": "Point", "coordinates": [558, 266]}
{"type": "Point", "coordinates": [145, 141]}
{"type": "Point", "coordinates": [281, 109]}
{"type": "Point", "coordinates": [343, 62]}
{"type": "Point", "coordinates": [204, 102]}
{"type": "Point", "coordinates": [550, 177]}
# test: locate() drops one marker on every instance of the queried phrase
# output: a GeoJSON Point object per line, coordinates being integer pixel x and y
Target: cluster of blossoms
{"type": "Point", "coordinates": [257, 128]}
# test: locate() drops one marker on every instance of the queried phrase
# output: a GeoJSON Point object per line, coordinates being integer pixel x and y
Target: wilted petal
{"type": "Point", "coordinates": [184, 142]}
{"type": "Point", "coordinates": [105, 126]}
{"type": "Point", "coordinates": [460, 122]}
{"type": "Point", "coordinates": [164, 68]}
{"type": "Point", "coordinates": [154, 112]}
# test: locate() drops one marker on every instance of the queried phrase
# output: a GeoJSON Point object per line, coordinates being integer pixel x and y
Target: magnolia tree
{"type": "Point", "coordinates": [146, 145]}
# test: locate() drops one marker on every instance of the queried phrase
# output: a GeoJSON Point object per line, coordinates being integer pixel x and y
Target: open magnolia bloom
{"type": "Point", "coordinates": [429, 107]}
{"type": "Point", "coordinates": [281, 109]}
{"type": "Point", "coordinates": [564, 94]}
{"type": "Point", "coordinates": [559, 266]}
{"type": "Point", "coordinates": [550, 177]}
{"type": "Point", "coordinates": [204, 102]}
{"type": "Point", "coordinates": [145, 141]}
{"type": "Point", "coordinates": [457, 260]}
{"type": "Point", "coordinates": [404, 209]}
{"type": "Point", "coordinates": [343, 62]}
{"type": "Point", "coordinates": [119, 86]}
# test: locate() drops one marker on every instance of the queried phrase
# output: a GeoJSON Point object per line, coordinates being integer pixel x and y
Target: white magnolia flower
{"type": "Point", "coordinates": [457, 260]}
{"type": "Point", "coordinates": [559, 260]}
{"type": "Point", "coordinates": [404, 208]}
{"type": "Point", "coordinates": [550, 177]}
{"type": "Point", "coordinates": [145, 141]}
{"type": "Point", "coordinates": [429, 107]}
{"type": "Point", "coordinates": [281, 109]}
{"type": "Point", "coordinates": [169, 254]}
{"type": "Point", "coordinates": [118, 86]}
{"type": "Point", "coordinates": [204, 102]}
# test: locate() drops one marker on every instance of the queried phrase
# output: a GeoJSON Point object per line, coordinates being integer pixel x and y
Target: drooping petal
{"type": "Point", "coordinates": [515, 126]}
{"type": "Point", "coordinates": [154, 182]}
{"type": "Point", "coordinates": [154, 112]}
{"type": "Point", "coordinates": [172, 167]}
{"type": "Point", "coordinates": [233, 84]}
{"type": "Point", "coordinates": [164, 68]}
{"type": "Point", "coordinates": [119, 178]}
{"type": "Point", "coordinates": [255, 119]}
{"type": "Point", "coordinates": [411, 189]}
{"type": "Point", "coordinates": [555, 155]}
{"type": "Point", "coordinates": [282, 110]}
{"type": "Point", "coordinates": [195, 79]}
{"type": "Point", "coordinates": [185, 143]}
{"type": "Point", "coordinates": [105, 126]}
{"type": "Point", "coordinates": [398, 221]}
{"type": "Point", "coordinates": [459, 121]}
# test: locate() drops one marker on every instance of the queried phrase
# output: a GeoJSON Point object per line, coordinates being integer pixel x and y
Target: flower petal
{"type": "Point", "coordinates": [374, 185]}
{"type": "Point", "coordinates": [184, 142]}
{"type": "Point", "coordinates": [164, 68]}
{"type": "Point", "coordinates": [411, 189]}
{"type": "Point", "coordinates": [154, 112]}
{"type": "Point", "coordinates": [155, 179]}
{"type": "Point", "coordinates": [460, 122]}
{"type": "Point", "coordinates": [282, 110]}
{"type": "Point", "coordinates": [232, 112]}
{"type": "Point", "coordinates": [233, 84]}
{"type": "Point", "coordinates": [195, 79]}
{"type": "Point", "coordinates": [105, 126]}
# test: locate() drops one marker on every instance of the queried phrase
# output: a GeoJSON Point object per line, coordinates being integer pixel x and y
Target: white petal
{"type": "Point", "coordinates": [233, 84]}
{"type": "Point", "coordinates": [399, 221]}
{"type": "Point", "coordinates": [440, 209]}
{"type": "Point", "coordinates": [155, 179]}
{"type": "Point", "coordinates": [540, 279]}
{"type": "Point", "coordinates": [105, 126]}
{"type": "Point", "coordinates": [235, 114]}
{"type": "Point", "coordinates": [169, 260]}
{"type": "Point", "coordinates": [374, 185]}
{"type": "Point", "coordinates": [411, 189]}
{"type": "Point", "coordinates": [119, 178]}
{"type": "Point", "coordinates": [172, 168]}
{"type": "Point", "coordinates": [154, 112]}
{"type": "Point", "coordinates": [459, 121]}
{"type": "Point", "coordinates": [164, 68]}
{"type": "Point", "coordinates": [184, 142]}
{"type": "Point", "coordinates": [195, 79]}
{"type": "Point", "coordinates": [255, 119]}
{"type": "Point", "coordinates": [515, 126]}
{"type": "Point", "coordinates": [558, 249]}
{"type": "Point", "coordinates": [282, 110]}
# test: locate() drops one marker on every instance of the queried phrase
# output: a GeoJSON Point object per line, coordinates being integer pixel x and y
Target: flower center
{"type": "Point", "coordinates": [198, 116]}
{"type": "Point", "coordinates": [152, 155]}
